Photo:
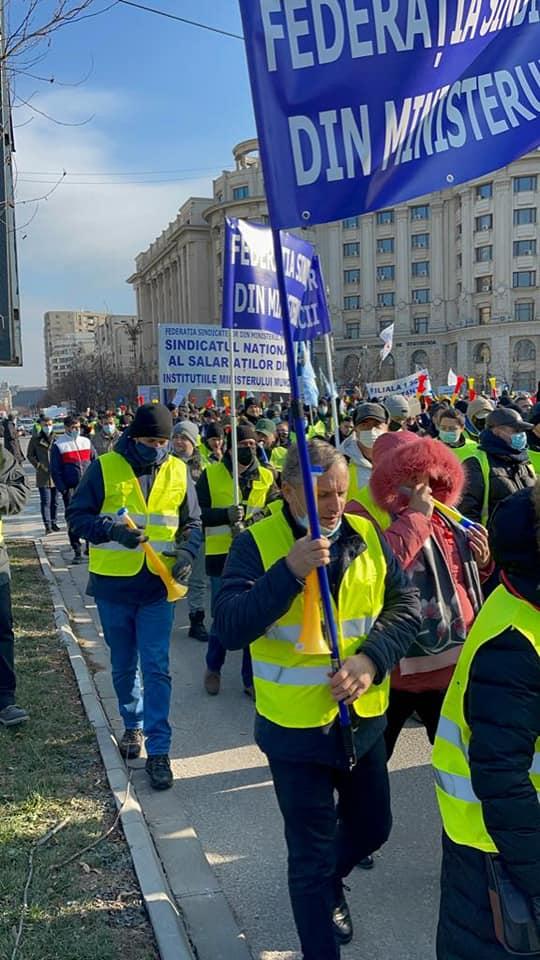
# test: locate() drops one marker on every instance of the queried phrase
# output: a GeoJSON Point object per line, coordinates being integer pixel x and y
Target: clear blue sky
{"type": "Point", "coordinates": [163, 96]}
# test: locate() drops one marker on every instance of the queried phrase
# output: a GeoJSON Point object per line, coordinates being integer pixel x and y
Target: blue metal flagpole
{"type": "Point", "coordinates": [298, 419]}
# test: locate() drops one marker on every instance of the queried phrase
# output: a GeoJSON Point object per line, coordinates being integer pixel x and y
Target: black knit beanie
{"type": "Point", "coordinates": [243, 432]}
{"type": "Point", "coordinates": [152, 420]}
{"type": "Point", "coordinates": [214, 430]}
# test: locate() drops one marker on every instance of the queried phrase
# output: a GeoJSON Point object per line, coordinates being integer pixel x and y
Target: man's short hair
{"type": "Point", "coordinates": [321, 454]}
{"type": "Point", "coordinates": [70, 420]}
{"type": "Point", "coordinates": [451, 414]}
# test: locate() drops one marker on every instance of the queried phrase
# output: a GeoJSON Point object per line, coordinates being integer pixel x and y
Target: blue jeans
{"type": "Point", "coordinates": [215, 655]}
{"type": "Point", "coordinates": [139, 639]}
{"type": "Point", "coordinates": [47, 500]}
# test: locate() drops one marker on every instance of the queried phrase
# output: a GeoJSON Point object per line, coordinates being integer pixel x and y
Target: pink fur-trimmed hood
{"type": "Point", "coordinates": [406, 461]}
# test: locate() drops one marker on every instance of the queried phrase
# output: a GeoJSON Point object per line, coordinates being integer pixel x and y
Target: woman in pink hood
{"type": "Point", "coordinates": [446, 563]}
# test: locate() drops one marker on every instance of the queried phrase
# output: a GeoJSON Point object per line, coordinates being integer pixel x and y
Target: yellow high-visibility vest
{"type": "Point", "coordinates": [353, 493]}
{"type": "Point", "coordinates": [278, 458]}
{"type": "Point", "coordinates": [365, 497]}
{"type": "Point", "coordinates": [220, 484]}
{"type": "Point", "coordinates": [159, 516]}
{"type": "Point", "coordinates": [469, 449]}
{"type": "Point", "coordinates": [461, 811]}
{"type": "Point", "coordinates": [292, 688]}
{"type": "Point", "coordinates": [534, 457]}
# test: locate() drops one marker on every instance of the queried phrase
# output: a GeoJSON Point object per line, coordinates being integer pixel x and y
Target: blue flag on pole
{"type": "Point", "coordinates": [314, 317]}
{"type": "Point", "coordinates": [250, 292]}
{"type": "Point", "coordinates": [365, 105]}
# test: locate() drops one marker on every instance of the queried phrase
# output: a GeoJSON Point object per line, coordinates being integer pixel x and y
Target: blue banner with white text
{"type": "Point", "coordinates": [250, 292]}
{"type": "Point", "coordinates": [362, 104]}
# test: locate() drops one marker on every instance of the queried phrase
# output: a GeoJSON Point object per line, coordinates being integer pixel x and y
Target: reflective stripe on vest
{"type": "Point", "coordinates": [460, 808]}
{"type": "Point", "coordinates": [159, 517]}
{"type": "Point", "coordinates": [220, 484]}
{"type": "Point", "coordinates": [292, 687]}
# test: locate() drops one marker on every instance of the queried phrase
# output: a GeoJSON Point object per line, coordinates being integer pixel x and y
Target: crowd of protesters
{"type": "Point", "coordinates": [448, 631]}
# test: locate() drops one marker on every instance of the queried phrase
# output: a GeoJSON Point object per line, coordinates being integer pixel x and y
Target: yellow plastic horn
{"type": "Point", "coordinates": [312, 641]}
{"type": "Point", "coordinates": [175, 591]}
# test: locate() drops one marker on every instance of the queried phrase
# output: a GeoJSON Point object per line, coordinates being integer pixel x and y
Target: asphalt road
{"type": "Point", "coordinates": [227, 792]}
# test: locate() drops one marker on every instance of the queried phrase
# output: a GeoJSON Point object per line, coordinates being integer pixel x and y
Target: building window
{"type": "Point", "coordinates": [485, 222]}
{"type": "Point", "coordinates": [484, 284]}
{"type": "Point", "coordinates": [386, 299]}
{"type": "Point", "coordinates": [351, 303]}
{"type": "Point", "coordinates": [420, 268]}
{"type": "Point", "coordinates": [353, 331]}
{"type": "Point", "coordinates": [240, 193]}
{"type": "Point", "coordinates": [524, 381]}
{"type": "Point", "coordinates": [384, 323]}
{"type": "Point", "coordinates": [525, 184]}
{"type": "Point", "coordinates": [351, 249]}
{"type": "Point", "coordinates": [524, 311]}
{"type": "Point", "coordinates": [351, 223]}
{"type": "Point", "coordinates": [484, 191]}
{"type": "Point", "coordinates": [524, 216]}
{"type": "Point", "coordinates": [419, 361]}
{"type": "Point", "coordinates": [386, 245]}
{"type": "Point", "coordinates": [384, 217]}
{"type": "Point", "coordinates": [459, 260]}
{"type": "Point", "coordinates": [386, 273]}
{"type": "Point", "coordinates": [484, 254]}
{"type": "Point", "coordinates": [351, 276]}
{"type": "Point", "coordinates": [482, 353]}
{"type": "Point", "coordinates": [420, 212]}
{"type": "Point", "coordinates": [459, 231]}
{"type": "Point", "coordinates": [524, 351]}
{"type": "Point", "coordinates": [420, 241]}
{"type": "Point", "coordinates": [524, 248]}
{"type": "Point", "coordinates": [484, 315]}
{"type": "Point", "coordinates": [421, 296]}
{"type": "Point", "coordinates": [421, 325]}
{"type": "Point", "coordinates": [524, 278]}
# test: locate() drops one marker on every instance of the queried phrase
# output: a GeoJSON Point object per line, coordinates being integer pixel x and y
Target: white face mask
{"type": "Point", "coordinates": [368, 437]}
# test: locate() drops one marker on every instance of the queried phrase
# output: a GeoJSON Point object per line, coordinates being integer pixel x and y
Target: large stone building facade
{"type": "Point", "coordinates": [457, 272]}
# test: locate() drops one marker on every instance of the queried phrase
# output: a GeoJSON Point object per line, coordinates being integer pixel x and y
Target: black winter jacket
{"type": "Point", "coordinates": [509, 471]}
{"type": "Point", "coordinates": [503, 708]}
{"type": "Point", "coordinates": [250, 599]}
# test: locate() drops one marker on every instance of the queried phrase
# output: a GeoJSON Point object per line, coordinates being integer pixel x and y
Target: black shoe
{"type": "Point", "coordinates": [48, 530]}
{"type": "Point", "coordinates": [159, 770]}
{"type": "Point", "coordinates": [367, 863]}
{"type": "Point", "coordinates": [197, 629]}
{"type": "Point", "coordinates": [341, 920]}
{"type": "Point", "coordinates": [12, 715]}
{"type": "Point", "coordinates": [131, 744]}
{"type": "Point", "coordinates": [55, 528]}
{"type": "Point", "coordinates": [77, 557]}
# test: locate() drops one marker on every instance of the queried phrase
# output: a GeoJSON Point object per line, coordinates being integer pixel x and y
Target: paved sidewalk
{"type": "Point", "coordinates": [223, 805]}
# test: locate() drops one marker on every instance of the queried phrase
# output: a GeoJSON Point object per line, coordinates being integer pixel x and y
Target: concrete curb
{"type": "Point", "coordinates": [166, 920]}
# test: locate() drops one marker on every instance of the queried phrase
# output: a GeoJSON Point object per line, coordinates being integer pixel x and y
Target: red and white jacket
{"type": "Point", "coordinates": [70, 457]}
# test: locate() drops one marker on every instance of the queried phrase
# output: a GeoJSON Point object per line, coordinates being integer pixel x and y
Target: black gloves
{"type": "Point", "coordinates": [125, 536]}
{"type": "Point", "coordinates": [182, 568]}
{"type": "Point", "coordinates": [235, 514]}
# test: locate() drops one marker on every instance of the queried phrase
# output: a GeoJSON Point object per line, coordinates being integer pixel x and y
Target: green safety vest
{"type": "Point", "coordinates": [534, 457]}
{"type": "Point", "coordinates": [159, 516]}
{"type": "Point", "coordinates": [220, 484]}
{"type": "Point", "coordinates": [292, 687]}
{"type": "Point", "coordinates": [482, 458]}
{"type": "Point", "coordinates": [382, 517]}
{"type": "Point", "coordinates": [354, 491]}
{"type": "Point", "coordinates": [460, 808]}
{"type": "Point", "coordinates": [278, 458]}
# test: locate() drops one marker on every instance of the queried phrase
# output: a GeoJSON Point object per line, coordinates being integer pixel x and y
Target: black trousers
{"type": "Point", "coordinates": [74, 541]}
{"type": "Point", "coordinates": [402, 706]}
{"type": "Point", "coordinates": [7, 647]}
{"type": "Point", "coordinates": [324, 840]}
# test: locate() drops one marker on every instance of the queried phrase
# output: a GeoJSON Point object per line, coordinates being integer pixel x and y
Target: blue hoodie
{"type": "Point", "coordinates": [85, 522]}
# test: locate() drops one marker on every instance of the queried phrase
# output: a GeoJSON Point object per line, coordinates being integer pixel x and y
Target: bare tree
{"type": "Point", "coordinates": [94, 382]}
{"type": "Point", "coordinates": [31, 23]}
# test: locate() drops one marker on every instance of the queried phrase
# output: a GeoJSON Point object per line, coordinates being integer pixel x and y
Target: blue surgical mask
{"type": "Point", "coordinates": [47, 430]}
{"type": "Point", "coordinates": [518, 441]}
{"type": "Point", "coordinates": [449, 436]}
{"type": "Point", "coordinates": [151, 454]}
{"type": "Point", "coordinates": [74, 434]}
{"type": "Point", "coordinates": [325, 532]}
{"type": "Point", "coordinates": [109, 428]}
